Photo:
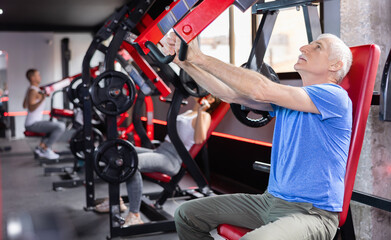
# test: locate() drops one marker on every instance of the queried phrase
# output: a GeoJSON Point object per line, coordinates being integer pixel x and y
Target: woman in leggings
{"type": "Point", "coordinates": [192, 127]}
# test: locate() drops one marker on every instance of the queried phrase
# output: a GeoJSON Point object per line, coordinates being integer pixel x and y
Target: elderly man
{"type": "Point", "coordinates": [310, 145]}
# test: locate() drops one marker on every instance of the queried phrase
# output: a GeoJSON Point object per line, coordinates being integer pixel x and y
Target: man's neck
{"type": "Point", "coordinates": [312, 80]}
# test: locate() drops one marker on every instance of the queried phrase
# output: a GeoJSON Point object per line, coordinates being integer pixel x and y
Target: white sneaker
{"type": "Point", "coordinates": [49, 154]}
{"type": "Point", "coordinates": [38, 151]}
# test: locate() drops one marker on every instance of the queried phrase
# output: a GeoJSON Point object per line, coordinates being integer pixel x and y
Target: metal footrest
{"type": "Point", "coordinates": [67, 184]}
{"type": "Point", "coordinates": [55, 161]}
{"type": "Point", "coordinates": [66, 170]}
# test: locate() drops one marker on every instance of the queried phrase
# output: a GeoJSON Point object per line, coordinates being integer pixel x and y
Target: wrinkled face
{"type": "Point", "coordinates": [314, 58]}
{"type": "Point", "coordinates": [36, 78]}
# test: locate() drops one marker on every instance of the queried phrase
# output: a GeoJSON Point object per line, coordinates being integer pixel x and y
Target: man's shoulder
{"type": "Point", "coordinates": [329, 89]}
{"type": "Point", "coordinates": [327, 86]}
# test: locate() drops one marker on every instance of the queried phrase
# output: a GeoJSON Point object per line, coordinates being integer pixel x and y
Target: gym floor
{"type": "Point", "coordinates": [27, 192]}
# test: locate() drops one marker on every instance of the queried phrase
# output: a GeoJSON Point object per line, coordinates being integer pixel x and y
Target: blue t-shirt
{"type": "Point", "coordinates": [308, 161]}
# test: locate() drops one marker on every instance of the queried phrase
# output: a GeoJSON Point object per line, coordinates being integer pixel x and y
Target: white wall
{"type": "Point", "coordinates": [25, 50]}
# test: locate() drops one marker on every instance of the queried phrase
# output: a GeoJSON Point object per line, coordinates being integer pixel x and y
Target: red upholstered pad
{"type": "Point", "coordinates": [158, 176]}
{"type": "Point", "coordinates": [62, 113]}
{"type": "Point", "coordinates": [231, 232]}
{"type": "Point", "coordinates": [33, 134]}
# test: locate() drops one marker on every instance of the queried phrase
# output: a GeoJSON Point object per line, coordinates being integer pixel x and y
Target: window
{"type": "Point", "coordinates": [214, 40]}
{"type": "Point", "coordinates": [288, 35]}
{"type": "Point", "coordinates": [243, 41]}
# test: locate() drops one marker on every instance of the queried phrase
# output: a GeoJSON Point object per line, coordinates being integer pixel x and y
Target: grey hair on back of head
{"type": "Point", "coordinates": [340, 51]}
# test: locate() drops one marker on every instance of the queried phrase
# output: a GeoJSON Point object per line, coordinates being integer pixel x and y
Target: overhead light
{"type": "Point", "coordinates": [1, 11]}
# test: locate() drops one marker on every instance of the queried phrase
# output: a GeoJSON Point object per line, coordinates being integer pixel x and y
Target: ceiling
{"type": "Point", "coordinates": [56, 15]}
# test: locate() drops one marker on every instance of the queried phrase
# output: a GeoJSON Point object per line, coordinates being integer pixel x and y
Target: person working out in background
{"type": "Point", "coordinates": [192, 126]}
{"type": "Point", "coordinates": [34, 101]}
{"type": "Point", "coordinates": [310, 145]}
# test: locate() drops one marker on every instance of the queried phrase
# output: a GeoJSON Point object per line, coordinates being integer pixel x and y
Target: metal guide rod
{"type": "Point", "coordinates": [265, 29]}
{"type": "Point", "coordinates": [192, 167]}
{"type": "Point", "coordinates": [312, 22]}
{"type": "Point", "coordinates": [262, 6]}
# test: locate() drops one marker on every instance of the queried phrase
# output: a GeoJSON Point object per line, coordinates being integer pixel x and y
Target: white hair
{"type": "Point", "coordinates": [339, 51]}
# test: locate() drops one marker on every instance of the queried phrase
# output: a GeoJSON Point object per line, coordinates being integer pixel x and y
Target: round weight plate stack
{"type": "Point", "coordinates": [76, 143]}
{"type": "Point", "coordinates": [115, 161]}
{"type": "Point", "coordinates": [112, 93]}
{"type": "Point", "coordinates": [73, 92]}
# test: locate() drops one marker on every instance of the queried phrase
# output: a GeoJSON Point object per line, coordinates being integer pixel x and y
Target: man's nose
{"type": "Point", "coordinates": [304, 48]}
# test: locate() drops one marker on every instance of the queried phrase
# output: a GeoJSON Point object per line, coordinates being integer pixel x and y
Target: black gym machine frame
{"type": "Point", "coordinates": [115, 22]}
{"type": "Point", "coordinates": [122, 167]}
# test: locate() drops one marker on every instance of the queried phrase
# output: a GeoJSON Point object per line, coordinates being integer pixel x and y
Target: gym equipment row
{"type": "Point", "coordinates": [137, 28]}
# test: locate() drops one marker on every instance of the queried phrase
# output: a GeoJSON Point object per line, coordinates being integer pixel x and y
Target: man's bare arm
{"type": "Point", "coordinates": [255, 89]}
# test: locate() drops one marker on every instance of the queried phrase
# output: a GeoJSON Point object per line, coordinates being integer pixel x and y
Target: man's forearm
{"type": "Point", "coordinates": [254, 86]}
{"type": "Point", "coordinates": [209, 82]}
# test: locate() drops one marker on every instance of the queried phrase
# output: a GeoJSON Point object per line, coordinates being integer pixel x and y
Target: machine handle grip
{"type": "Point", "coordinates": [261, 166]}
{"type": "Point", "coordinates": [183, 51]}
{"type": "Point", "coordinates": [159, 55]}
{"type": "Point", "coordinates": [169, 100]}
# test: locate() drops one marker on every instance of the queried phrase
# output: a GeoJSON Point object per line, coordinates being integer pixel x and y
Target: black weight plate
{"type": "Point", "coordinates": [115, 161]}
{"type": "Point", "coordinates": [73, 92]}
{"type": "Point", "coordinates": [109, 94]}
{"type": "Point", "coordinates": [241, 112]}
{"type": "Point", "coordinates": [76, 143]}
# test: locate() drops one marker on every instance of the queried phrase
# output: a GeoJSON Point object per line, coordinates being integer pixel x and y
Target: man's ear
{"type": "Point", "coordinates": [336, 66]}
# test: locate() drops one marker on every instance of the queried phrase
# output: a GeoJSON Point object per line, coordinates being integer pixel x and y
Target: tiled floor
{"type": "Point", "coordinates": [28, 193]}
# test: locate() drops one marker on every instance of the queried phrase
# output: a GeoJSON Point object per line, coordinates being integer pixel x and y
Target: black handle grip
{"type": "Point", "coordinates": [159, 55]}
{"type": "Point", "coordinates": [183, 51]}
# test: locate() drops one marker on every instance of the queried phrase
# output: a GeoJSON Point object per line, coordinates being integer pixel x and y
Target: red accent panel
{"type": "Point", "coordinates": [200, 17]}
{"type": "Point", "coordinates": [62, 113]}
{"type": "Point", "coordinates": [22, 113]}
{"type": "Point", "coordinates": [33, 134]}
{"type": "Point", "coordinates": [359, 84]}
{"type": "Point", "coordinates": [231, 232]}
{"type": "Point", "coordinates": [146, 21]}
{"type": "Point", "coordinates": [122, 118]}
{"type": "Point", "coordinates": [158, 176]}
{"type": "Point", "coordinates": [242, 139]}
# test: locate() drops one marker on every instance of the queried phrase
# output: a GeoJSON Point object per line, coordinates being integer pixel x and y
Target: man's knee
{"type": "Point", "coordinates": [184, 212]}
{"type": "Point", "coordinates": [180, 212]}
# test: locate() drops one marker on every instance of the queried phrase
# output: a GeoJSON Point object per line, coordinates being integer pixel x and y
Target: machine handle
{"type": "Point", "coordinates": [157, 54]}
{"type": "Point", "coordinates": [261, 166]}
{"type": "Point", "coordinates": [183, 51]}
{"type": "Point", "coordinates": [169, 100]}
